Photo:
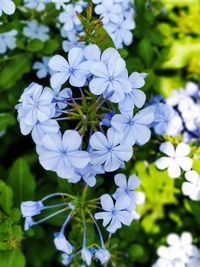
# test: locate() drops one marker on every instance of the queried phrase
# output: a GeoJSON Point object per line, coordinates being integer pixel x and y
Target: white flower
{"type": "Point", "coordinates": [7, 6]}
{"type": "Point", "coordinates": [74, 69]}
{"type": "Point", "coordinates": [42, 67]}
{"type": "Point", "coordinates": [176, 159]}
{"type": "Point", "coordinates": [191, 188]}
{"type": "Point", "coordinates": [180, 252]}
{"type": "Point", "coordinates": [7, 40]}
{"type": "Point", "coordinates": [34, 30]}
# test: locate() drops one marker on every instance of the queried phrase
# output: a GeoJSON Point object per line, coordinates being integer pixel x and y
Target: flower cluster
{"type": "Point", "coordinates": [179, 113]}
{"type": "Point", "coordinates": [118, 19]}
{"type": "Point", "coordinates": [177, 160]}
{"type": "Point", "coordinates": [179, 252]}
{"type": "Point", "coordinates": [32, 209]}
{"type": "Point", "coordinates": [124, 209]}
{"type": "Point", "coordinates": [98, 138]}
{"type": "Point", "coordinates": [123, 212]}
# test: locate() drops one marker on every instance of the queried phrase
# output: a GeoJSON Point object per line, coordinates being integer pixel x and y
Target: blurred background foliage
{"type": "Point", "coordinates": [166, 46]}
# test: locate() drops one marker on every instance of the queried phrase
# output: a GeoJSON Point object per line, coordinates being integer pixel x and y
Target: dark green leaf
{"type": "Point", "coordinates": [6, 120]}
{"type": "Point", "coordinates": [6, 195]}
{"type": "Point", "coordinates": [13, 258]}
{"type": "Point", "coordinates": [22, 181]}
{"type": "Point", "coordinates": [14, 70]}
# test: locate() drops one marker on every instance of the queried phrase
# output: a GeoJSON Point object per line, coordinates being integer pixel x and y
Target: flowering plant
{"type": "Point", "coordinates": [100, 127]}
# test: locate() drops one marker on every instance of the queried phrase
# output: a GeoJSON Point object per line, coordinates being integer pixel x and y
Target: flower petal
{"type": "Point", "coordinates": [106, 202]}
{"type": "Point", "coordinates": [167, 148]}
{"type": "Point", "coordinates": [174, 170]}
{"type": "Point", "coordinates": [120, 180]}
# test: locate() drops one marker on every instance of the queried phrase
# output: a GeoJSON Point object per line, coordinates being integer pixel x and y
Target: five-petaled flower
{"type": "Point", "coordinates": [175, 160]}
{"type": "Point", "coordinates": [108, 151]}
{"type": "Point", "coordinates": [63, 153]}
{"type": "Point", "coordinates": [115, 214]}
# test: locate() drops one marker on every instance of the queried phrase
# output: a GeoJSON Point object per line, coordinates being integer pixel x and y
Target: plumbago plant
{"type": "Point", "coordinates": [108, 166]}
{"type": "Point", "coordinates": [84, 131]}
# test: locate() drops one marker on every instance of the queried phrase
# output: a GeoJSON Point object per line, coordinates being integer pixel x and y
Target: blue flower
{"type": "Point", "coordinates": [38, 5]}
{"type": "Point", "coordinates": [42, 128]}
{"type": "Point", "coordinates": [31, 208]}
{"type": "Point", "coordinates": [114, 215]}
{"type": "Point", "coordinates": [69, 16]}
{"type": "Point", "coordinates": [62, 244]}
{"type": "Point", "coordinates": [34, 30]}
{"type": "Point", "coordinates": [60, 97]}
{"type": "Point", "coordinates": [109, 11]}
{"type": "Point", "coordinates": [72, 40]}
{"type": "Point", "coordinates": [102, 255]}
{"type": "Point", "coordinates": [7, 6]}
{"type": "Point", "coordinates": [75, 69]}
{"type": "Point", "coordinates": [110, 77]}
{"type": "Point", "coordinates": [135, 97]}
{"type": "Point", "coordinates": [134, 128]}
{"type": "Point", "coordinates": [88, 174]}
{"type": "Point", "coordinates": [36, 105]}
{"type": "Point", "coordinates": [166, 120]}
{"type": "Point", "coordinates": [127, 189]}
{"type": "Point", "coordinates": [7, 40]}
{"type": "Point", "coordinates": [63, 154]}
{"type": "Point", "coordinates": [42, 68]}
{"type": "Point", "coordinates": [39, 129]}
{"type": "Point", "coordinates": [28, 223]}
{"type": "Point", "coordinates": [66, 259]}
{"type": "Point", "coordinates": [108, 151]}
{"type": "Point", "coordinates": [86, 255]}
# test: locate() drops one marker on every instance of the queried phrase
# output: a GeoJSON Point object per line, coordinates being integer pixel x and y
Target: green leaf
{"type": "Point", "coordinates": [146, 52]}
{"type": "Point", "coordinates": [22, 181]}
{"type": "Point", "coordinates": [35, 45]}
{"type": "Point", "coordinates": [14, 70]}
{"type": "Point", "coordinates": [6, 196]}
{"type": "Point", "coordinates": [50, 46]}
{"type": "Point", "coordinates": [13, 258]}
{"type": "Point", "coordinates": [134, 64]}
{"type": "Point", "coordinates": [102, 39]}
{"type": "Point", "coordinates": [123, 52]}
{"type": "Point", "coordinates": [6, 120]}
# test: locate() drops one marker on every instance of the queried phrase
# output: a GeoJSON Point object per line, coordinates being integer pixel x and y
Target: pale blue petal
{"type": "Point", "coordinates": [99, 141]}
{"type": "Point", "coordinates": [120, 180]}
{"type": "Point", "coordinates": [106, 202]}
{"type": "Point", "coordinates": [71, 140]}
